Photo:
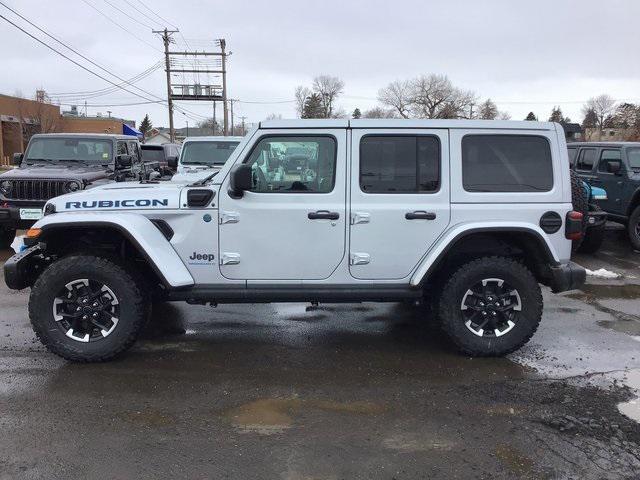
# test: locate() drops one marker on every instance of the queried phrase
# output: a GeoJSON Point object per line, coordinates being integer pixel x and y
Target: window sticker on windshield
{"type": "Point", "coordinates": [105, 155]}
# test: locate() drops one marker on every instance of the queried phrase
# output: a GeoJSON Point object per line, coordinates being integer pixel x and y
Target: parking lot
{"type": "Point", "coordinates": [336, 391]}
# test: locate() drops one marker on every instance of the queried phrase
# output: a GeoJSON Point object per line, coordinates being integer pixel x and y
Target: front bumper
{"type": "Point", "coordinates": [569, 276]}
{"type": "Point", "coordinates": [10, 215]}
{"type": "Point", "coordinates": [21, 269]}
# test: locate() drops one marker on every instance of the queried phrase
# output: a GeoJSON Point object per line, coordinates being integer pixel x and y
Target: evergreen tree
{"type": "Point", "coordinates": [531, 117]}
{"type": "Point", "coordinates": [313, 107]}
{"type": "Point", "coordinates": [590, 119]}
{"type": "Point", "coordinates": [356, 113]}
{"type": "Point", "coordinates": [145, 126]}
{"type": "Point", "coordinates": [488, 110]}
{"type": "Point", "coordinates": [556, 115]}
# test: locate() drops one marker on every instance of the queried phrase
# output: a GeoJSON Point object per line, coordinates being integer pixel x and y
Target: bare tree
{"type": "Point", "coordinates": [301, 94]}
{"type": "Point", "coordinates": [274, 116]}
{"type": "Point", "coordinates": [398, 96]}
{"type": "Point", "coordinates": [434, 96]}
{"type": "Point", "coordinates": [329, 88]}
{"type": "Point", "coordinates": [488, 110]}
{"type": "Point", "coordinates": [504, 116]}
{"type": "Point", "coordinates": [602, 105]}
{"type": "Point", "coordinates": [379, 112]}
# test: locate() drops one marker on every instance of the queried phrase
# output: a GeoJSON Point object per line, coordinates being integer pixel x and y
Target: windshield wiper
{"type": "Point", "coordinates": [197, 163]}
{"type": "Point", "coordinates": [201, 182]}
{"type": "Point", "coordinates": [74, 160]}
{"type": "Point", "coordinates": [47, 160]}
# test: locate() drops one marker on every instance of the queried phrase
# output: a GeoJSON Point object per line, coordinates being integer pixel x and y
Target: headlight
{"type": "Point", "coordinates": [72, 186]}
{"type": "Point", "coordinates": [49, 208]}
{"type": "Point", "coordinates": [5, 187]}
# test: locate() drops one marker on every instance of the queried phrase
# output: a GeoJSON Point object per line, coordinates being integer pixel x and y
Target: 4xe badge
{"type": "Point", "coordinates": [201, 258]}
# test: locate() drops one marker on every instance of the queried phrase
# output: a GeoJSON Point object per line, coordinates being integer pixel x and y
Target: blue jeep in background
{"type": "Point", "coordinates": [614, 166]}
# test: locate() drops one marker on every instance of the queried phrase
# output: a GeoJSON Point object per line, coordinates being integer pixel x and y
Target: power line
{"type": "Point", "coordinates": [154, 12]}
{"type": "Point", "coordinates": [121, 27]}
{"type": "Point", "coordinates": [142, 13]}
{"type": "Point", "coordinates": [131, 17]}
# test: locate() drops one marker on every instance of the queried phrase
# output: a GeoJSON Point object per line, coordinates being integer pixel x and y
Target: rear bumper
{"type": "Point", "coordinates": [596, 219]}
{"type": "Point", "coordinates": [569, 276]}
{"type": "Point", "coordinates": [20, 269]}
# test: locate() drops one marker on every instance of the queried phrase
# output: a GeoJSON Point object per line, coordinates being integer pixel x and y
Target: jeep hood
{"type": "Point", "coordinates": [121, 196]}
{"type": "Point", "coordinates": [58, 172]}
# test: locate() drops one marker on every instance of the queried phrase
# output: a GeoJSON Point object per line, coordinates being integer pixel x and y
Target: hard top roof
{"type": "Point", "coordinates": [407, 123]}
{"type": "Point", "coordinates": [603, 144]}
{"type": "Point", "coordinates": [217, 138]}
{"type": "Point", "coordinates": [86, 135]}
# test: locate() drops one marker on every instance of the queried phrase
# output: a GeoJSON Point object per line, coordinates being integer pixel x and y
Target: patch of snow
{"type": "Point", "coordinates": [602, 273]}
{"type": "Point", "coordinates": [18, 243]}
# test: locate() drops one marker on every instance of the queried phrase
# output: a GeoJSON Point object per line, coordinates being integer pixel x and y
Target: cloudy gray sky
{"type": "Point", "coordinates": [526, 56]}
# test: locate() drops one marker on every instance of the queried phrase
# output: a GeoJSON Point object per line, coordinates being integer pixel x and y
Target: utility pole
{"type": "Point", "coordinates": [223, 46]}
{"type": "Point", "coordinates": [231, 100]}
{"type": "Point", "coordinates": [213, 125]}
{"type": "Point", "coordinates": [166, 39]}
{"type": "Point", "coordinates": [243, 118]}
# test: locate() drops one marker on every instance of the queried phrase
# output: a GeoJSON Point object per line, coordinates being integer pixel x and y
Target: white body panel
{"type": "Point", "coordinates": [267, 238]}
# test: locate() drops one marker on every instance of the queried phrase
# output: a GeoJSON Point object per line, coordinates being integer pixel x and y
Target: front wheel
{"type": "Point", "coordinates": [633, 228]}
{"type": "Point", "coordinates": [86, 308]}
{"type": "Point", "coordinates": [490, 306]}
{"type": "Point", "coordinates": [7, 235]}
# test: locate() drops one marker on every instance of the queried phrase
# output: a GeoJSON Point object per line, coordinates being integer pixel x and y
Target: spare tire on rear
{"type": "Point", "coordinates": [580, 202]}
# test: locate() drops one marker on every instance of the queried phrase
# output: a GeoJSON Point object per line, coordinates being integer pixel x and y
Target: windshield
{"type": "Point", "coordinates": [153, 155]}
{"type": "Point", "coordinates": [633, 154]}
{"type": "Point", "coordinates": [69, 149]}
{"type": "Point", "coordinates": [207, 153]}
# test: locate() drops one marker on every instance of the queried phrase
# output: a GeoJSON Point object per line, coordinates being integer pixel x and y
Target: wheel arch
{"type": "Point", "coordinates": [135, 231]}
{"type": "Point", "coordinates": [522, 242]}
{"type": "Point", "coordinates": [634, 202]}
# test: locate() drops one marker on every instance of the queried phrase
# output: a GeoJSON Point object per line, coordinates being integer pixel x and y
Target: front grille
{"type": "Point", "coordinates": [36, 189]}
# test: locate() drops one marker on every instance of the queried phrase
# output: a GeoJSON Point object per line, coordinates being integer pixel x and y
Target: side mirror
{"type": "Point", "coordinates": [123, 161]}
{"type": "Point", "coordinates": [614, 166]}
{"type": "Point", "coordinates": [172, 161]}
{"type": "Point", "coordinates": [17, 158]}
{"type": "Point", "coordinates": [240, 180]}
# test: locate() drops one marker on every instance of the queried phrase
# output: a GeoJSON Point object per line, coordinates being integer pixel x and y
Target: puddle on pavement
{"type": "Point", "coordinates": [628, 326]}
{"type": "Point", "coordinates": [514, 459]}
{"type": "Point", "coordinates": [267, 416]}
{"type": "Point", "coordinates": [627, 291]}
{"type": "Point", "coordinates": [632, 408]}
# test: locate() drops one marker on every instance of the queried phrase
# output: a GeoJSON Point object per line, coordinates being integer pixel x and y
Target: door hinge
{"type": "Point", "coordinates": [228, 258]}
{"type": "Point", "coordinates": [229, 217]}
{"type": "Point", "coordinates": [359, 258]}
{"type": "Point", "coordinates": [360, 217]}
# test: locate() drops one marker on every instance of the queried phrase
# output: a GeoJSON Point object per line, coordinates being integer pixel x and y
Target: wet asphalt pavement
{"type": "Point", "coordinates": [287, 391]}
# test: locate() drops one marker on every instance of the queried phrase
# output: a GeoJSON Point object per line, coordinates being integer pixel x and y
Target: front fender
{"type": "Point", "coordinates": [138, 229]}
{"type": "Point", "coordinates": [433, 256]}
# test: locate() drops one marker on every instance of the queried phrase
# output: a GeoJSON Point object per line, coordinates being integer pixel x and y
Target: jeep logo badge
{"type": "Point", "coordinates": [201, 258]}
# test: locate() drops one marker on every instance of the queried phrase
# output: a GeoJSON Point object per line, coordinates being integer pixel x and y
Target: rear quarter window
{"type": "Point", "coordinates": [506, 163]}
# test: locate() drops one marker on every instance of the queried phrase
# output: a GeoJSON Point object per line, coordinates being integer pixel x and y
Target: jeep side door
{"type": "Point", "coordinates": [613, 183]}
{"type": "Point", "coordinates": [399, 199]}
{"type": "Point", "coordinates": [291, 225]}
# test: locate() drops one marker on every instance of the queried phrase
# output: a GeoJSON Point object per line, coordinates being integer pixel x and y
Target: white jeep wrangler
{"type": "Point", "coordinates": [467, 216]}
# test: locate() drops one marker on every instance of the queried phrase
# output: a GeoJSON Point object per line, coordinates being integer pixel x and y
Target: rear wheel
{"type": "Point", "coordinates": [633, 227]}
{"type": "Point", "coordinates": [490, 306]}
{"type": "Point", "coordinates": [7, 235]}
{"type": "Point", "coordinates": [86, 308]}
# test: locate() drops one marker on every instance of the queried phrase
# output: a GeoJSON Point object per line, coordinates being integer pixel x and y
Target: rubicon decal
{"type": "Point", "coordinates": [143, 202]}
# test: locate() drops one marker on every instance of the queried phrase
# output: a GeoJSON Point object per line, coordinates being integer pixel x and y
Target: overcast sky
{"type": "Point", "coordinates": [526, 56]}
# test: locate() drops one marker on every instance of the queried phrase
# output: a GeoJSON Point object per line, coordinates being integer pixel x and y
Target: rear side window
{"type": "Point", "coordinates": [586, 159]}
{"type": "Point", "coordinates": [572, 155]}
{"type": "Point", "coordinates": [506, 163]}
{"type": "Point", "coordinates": [399, 164]}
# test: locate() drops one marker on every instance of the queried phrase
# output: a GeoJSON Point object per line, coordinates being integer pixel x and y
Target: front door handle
{"type": "Point", "coordinates": [323, 215]}
{"type": "Point", "coordinates": [420, 215]}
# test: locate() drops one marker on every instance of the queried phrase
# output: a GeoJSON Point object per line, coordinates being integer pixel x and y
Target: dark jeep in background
{"type": "Point", "coordinates": [614, 166]}
{"type": "Point", "coordinates": [165, 154]}
{"type": "Point", "coordinates": [55, 163]}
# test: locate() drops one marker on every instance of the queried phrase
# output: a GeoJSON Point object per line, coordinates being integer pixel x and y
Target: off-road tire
{"type": "Point", "coordinates": [593, 237]}
{"type": "Point", "coordinates": [580, 204]}
{"type": "Point", "coordinates": [451, 316]}
{"type": "Point", "coordinates": [132, 301]}
{"type": "Point", "coordinates": [632, 228]}
{"type": "Point", "coordinates": [6, 236]}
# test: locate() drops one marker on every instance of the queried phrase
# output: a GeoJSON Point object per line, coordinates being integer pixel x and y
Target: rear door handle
{"type": "Point", "coordinates": [323, 215]}
{"type": "Point", "coordinates": [420, 215]}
